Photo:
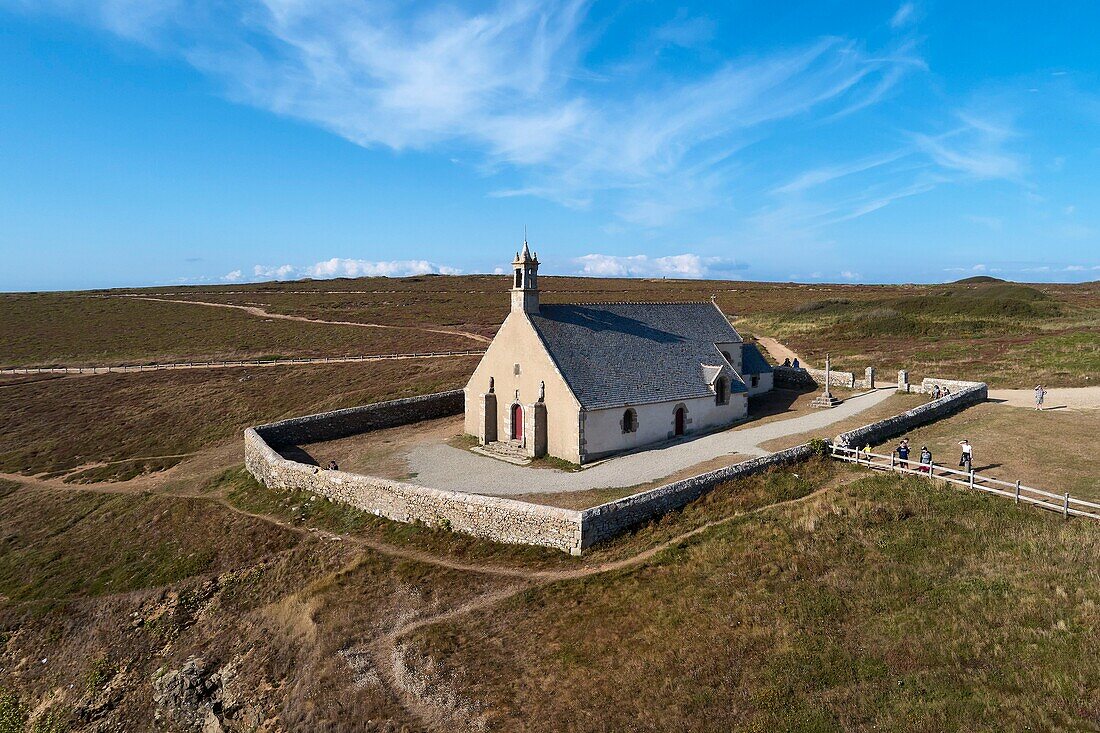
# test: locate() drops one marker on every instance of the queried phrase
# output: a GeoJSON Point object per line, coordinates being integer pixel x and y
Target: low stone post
{"type": "Point", "coordinates": [903, 380]}
{"type": "Point", "coordinates": [869, 378]}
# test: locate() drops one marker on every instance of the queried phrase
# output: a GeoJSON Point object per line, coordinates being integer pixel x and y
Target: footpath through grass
{"type": "Point", "coordinates": [883, 605]}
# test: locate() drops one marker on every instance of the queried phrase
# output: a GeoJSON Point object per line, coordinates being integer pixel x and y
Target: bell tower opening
{"type": "Point", "coordinates": [525, 288]}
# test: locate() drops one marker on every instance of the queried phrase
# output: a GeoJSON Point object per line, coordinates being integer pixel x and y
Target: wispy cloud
{"type": "Point", "coordinates": [232, 277]}
{"type": "Point", "coordinates": [976, 148]}
{"type": "Point", "coordinates": [903, 15]}
{"type": "Point", "coordinates": [507, 82]}
{"type": "Point", "coordinates": [683, 265]}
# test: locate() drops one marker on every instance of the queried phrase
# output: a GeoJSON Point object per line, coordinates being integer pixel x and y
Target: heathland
{"type": "Point", "coordinates": [136, 555]}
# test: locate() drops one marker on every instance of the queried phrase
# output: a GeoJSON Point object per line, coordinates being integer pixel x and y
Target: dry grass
{"type": "Point", "coordinates": [1053, 450]}
{"type": "Point", "coordinates": [69, 329]}
{"type": "Point", "coordinates": [61, 424]}
{"type": "Point", "coordinates": [885, 605]}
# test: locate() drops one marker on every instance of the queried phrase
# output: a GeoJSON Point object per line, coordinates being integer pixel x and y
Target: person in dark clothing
{"type": "Point", "coordinates": [795, 363]}
{"type": "Point", "coordinates": [787, 362]}
{"type": "Point", "coordinates": [332, 466]}
{"type": "Point", "coordinates": [903, 452]}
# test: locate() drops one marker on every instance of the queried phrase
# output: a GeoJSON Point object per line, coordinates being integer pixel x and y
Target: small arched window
{"type": "Point", "coordinates": [721, 391]}
{"type": "Point", "coordinates": [630, 421]}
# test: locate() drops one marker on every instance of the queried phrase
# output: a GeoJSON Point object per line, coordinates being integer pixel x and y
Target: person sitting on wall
{"type": "Point", "coordinates": [332, 466]}
{"type": "Point", "coordinates": [787, 362]}
{"type": "Point", "coordinates": [795, 363]}
{"type": "Point", "coordinates": [946, 391]}
{"type": "Point", "coordinates": [935, 391]}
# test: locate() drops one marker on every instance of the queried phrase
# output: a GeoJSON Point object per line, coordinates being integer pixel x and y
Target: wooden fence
{"type": "Point", "coordinates": [125, 368]}
{"type": "Point", "coordinates": [1064, 504]}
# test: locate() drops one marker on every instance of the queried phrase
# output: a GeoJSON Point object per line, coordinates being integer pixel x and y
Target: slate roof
{"type": "Point", "coordinates": [614, 354]}
{"type": "Point", "coordinates": [753, 362]}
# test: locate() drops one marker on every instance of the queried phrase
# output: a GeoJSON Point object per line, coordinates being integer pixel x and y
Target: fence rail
{"type": "Point", "coordinates": [127, 368]}
{"type": "Point", "coordinates": [1064, 504]}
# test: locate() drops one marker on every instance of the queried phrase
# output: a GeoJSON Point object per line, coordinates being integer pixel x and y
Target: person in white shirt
{"type": "Point", "coordinates": [1040, 395]}
{"type": "Point", "coordinates": [967, 458]}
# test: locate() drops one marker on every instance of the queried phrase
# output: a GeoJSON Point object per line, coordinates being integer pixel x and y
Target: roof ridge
{"type": "Point", "coordinates": [640, 302]}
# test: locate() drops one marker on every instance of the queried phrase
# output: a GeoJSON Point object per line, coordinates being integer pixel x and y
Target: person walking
{"type": "Point", "coordinates": [1040, 395]}
{"type": "Point", "coordinates": [925, 459]}
{"type": "Point", "coordinates": [967, 458]}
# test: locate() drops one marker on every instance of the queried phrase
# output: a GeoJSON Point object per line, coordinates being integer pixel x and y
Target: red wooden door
{"type": "Point", "coordinates": [517, 422]}
{"type": "Point", "coordinates": [679, 421]}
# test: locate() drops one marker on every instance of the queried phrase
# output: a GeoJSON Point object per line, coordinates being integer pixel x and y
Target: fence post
{"type": "Point", "coordinates": [1017, 491]}
{"type": "Point", "coordinates": [1065, 507]}
{"type": "Point", "coordinates": [971, 478]}
{"type": "Point", "coordinates": [891, 461]}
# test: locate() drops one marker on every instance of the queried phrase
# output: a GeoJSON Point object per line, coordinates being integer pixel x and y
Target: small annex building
{"type": "Point", "coordinates": [584, 381]}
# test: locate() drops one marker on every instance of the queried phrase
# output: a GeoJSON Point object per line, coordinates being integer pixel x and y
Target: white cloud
{"type": "Point", "coordinates": [342, 267]}
{"type": "Point", "coordinates": [681, 266]}
{"type": "Point", "coordinates": [232, 277]}
{"type": "Point", "coordinates": [281, 272]}
{"type": "Point", "coordinates": [902, 15]}
{"type": "Point", "coordinates": [849, 275]}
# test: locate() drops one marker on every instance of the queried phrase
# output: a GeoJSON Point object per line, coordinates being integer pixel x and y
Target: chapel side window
{"type": "Point", "coordinates": [721, 392]}
{"type": "Point", "coordinates": [630, 421]}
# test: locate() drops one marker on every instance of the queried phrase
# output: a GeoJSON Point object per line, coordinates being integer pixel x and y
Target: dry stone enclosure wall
{"type": "Point", "coordinates": [508, 520]}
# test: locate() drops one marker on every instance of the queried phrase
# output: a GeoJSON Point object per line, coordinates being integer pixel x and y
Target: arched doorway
{"type": "Point", "coordinates": [680, 415]}
{"type": "Point", "coordinates": [517, 422]}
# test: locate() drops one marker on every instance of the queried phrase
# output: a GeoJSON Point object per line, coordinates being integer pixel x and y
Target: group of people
{"type": "Point", "coordinates": [924, 464]}
{"type": "Point", "coordinates": [938, 391]}
{"type": "Point", "coordinates": [793, 364]}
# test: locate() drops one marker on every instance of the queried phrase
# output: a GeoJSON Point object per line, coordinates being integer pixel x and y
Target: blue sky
{"type": "Point", "coordinates": [201, 141]}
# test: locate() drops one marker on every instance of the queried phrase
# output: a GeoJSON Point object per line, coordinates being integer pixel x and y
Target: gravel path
{"type": "Point", "coordinates": [441, 466]}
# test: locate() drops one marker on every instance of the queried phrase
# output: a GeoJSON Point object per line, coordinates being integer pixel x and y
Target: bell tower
{"type": "Point", "coordinates": [525, 283]}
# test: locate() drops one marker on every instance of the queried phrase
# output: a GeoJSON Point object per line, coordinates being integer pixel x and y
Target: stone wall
{"type": "Point", "coordinates": [607, 520]}
{"type": "Point", "coordinates": [969, 393]}
{"type": "Point", "coordinates": [807, 377]}
{"type": "Point", "coordinates": [354, 420]}
{"type": "Point", "coordinates": [503, 520]}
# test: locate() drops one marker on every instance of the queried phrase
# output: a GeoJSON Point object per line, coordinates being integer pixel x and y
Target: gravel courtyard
{"type": "Point", "coordinates": [442, 466]}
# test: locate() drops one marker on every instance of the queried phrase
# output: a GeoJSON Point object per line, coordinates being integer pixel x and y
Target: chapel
{"type": "Point", "coordinates": [585, 381]}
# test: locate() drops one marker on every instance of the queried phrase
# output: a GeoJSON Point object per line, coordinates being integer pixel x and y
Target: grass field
{"type": "Point", "coordinates": [815, 598]}
{"type": "Point", "coordinates": [1002, 333]}
{"type": "Point", "coordinates": [79, 329]}
{"type": "Point", "coordinates": [1053, 450]}
{"type": "Point", "coordinates": [60, 424]}
{"type": "Point", "coordinates": [885, 605]}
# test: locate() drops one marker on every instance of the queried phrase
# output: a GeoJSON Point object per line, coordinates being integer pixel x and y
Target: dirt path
{"type": "Point", "coordinates": [261, 313]}
{"type": "Point", "coordinates": [779, 352]}
{"type": "Point", "coordinates": [1057, 398]}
